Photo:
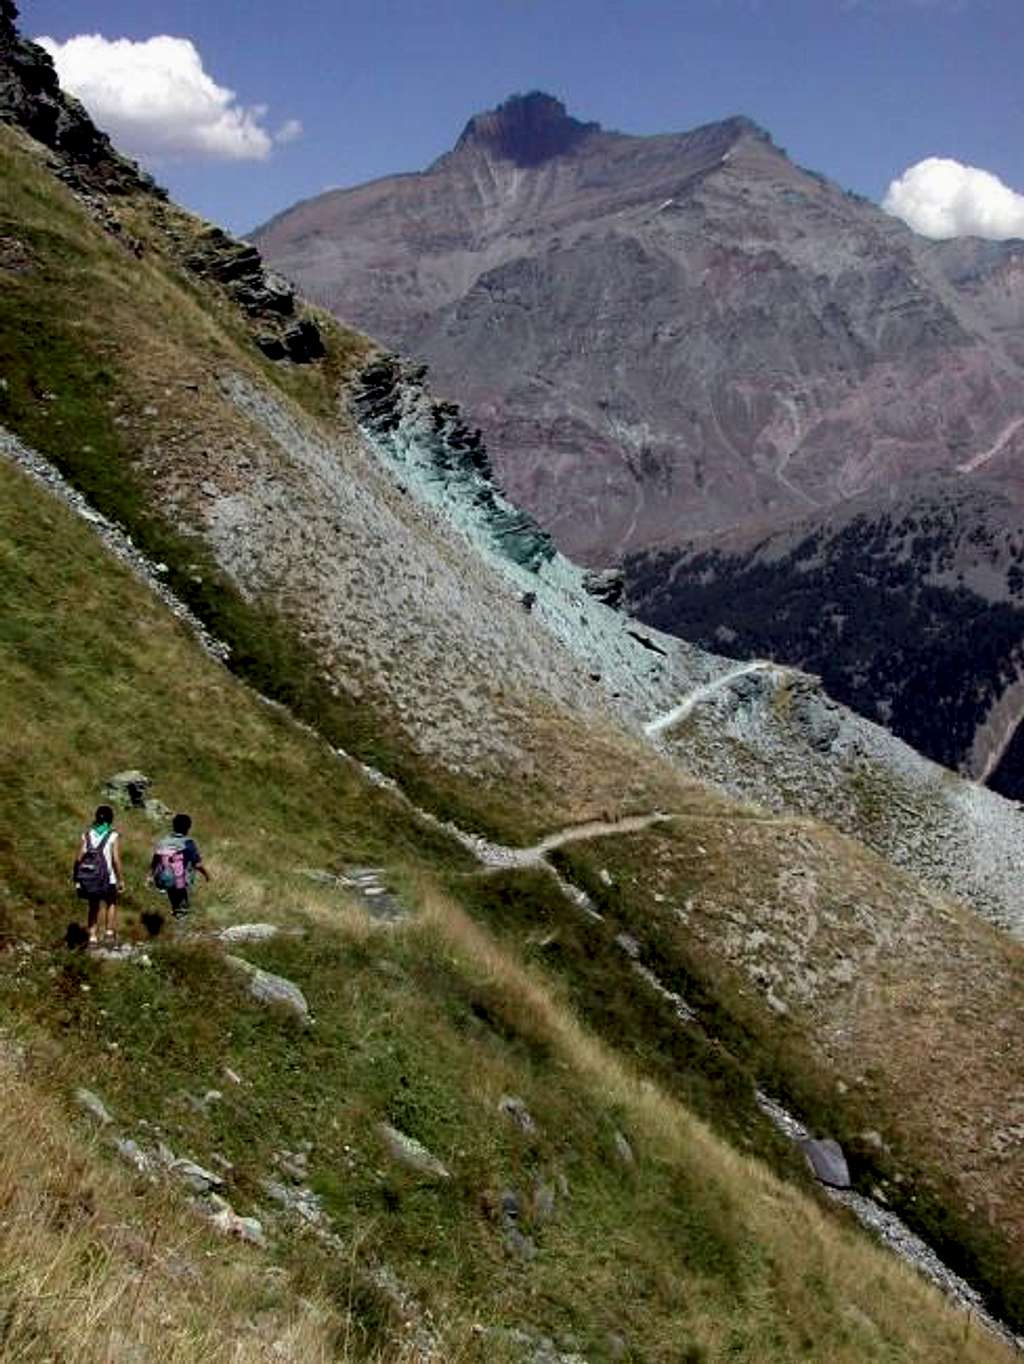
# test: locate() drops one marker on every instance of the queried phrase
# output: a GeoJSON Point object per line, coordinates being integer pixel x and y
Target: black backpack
{"type": "Point", "coordinates": [92, 875]}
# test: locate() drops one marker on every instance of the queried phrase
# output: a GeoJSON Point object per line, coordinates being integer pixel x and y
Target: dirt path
{"type": "Point", "coordinates": [1005, 436]}
{"type": "Point", "coordinates": [497, 855]}
{"type": "Point", "coordinates": [678, 713]}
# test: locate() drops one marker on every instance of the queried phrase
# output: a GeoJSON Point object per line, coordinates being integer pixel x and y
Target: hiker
{"type": "Point", "coordinates": [97, 874]}
{"type": "Point", "coordinates": [176, 859]}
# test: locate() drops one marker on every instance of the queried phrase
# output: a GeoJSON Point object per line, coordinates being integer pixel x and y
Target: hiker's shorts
{"type": "Point", "coordinates": [178, 898]}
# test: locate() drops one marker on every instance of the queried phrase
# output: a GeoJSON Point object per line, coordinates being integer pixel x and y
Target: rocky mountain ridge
{"type": "Point", "coordinates": [672, 334]}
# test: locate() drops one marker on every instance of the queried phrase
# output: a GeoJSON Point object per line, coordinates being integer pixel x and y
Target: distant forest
{"type": "Point", "coordinates": [856, 607]}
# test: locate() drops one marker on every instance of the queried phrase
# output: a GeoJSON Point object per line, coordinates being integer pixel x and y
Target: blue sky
{"type": "Point", "coordinates": [858, 89]}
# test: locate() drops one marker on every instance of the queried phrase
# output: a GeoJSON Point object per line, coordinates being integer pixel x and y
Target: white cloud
{"type": "Point", "coordinates": [288, 131]}
{"type": "Point", "coordinates": [942, 198]}
{"type": "Point", "coordinates": [156, 100]}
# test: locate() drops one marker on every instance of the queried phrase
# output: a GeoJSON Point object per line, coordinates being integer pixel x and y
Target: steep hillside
{"type": "Point", "coordinates": [757, 889]}
{"type": "Point", "coordinates": [908, 604]}
{"type": "Point", "coordinates": [595, 1217]}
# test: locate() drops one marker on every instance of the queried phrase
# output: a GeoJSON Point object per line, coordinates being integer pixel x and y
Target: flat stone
{"type": "Point", "coordinates": [195, 1176]}
{"type": "Point", "coordinates": [516, 1111]}
{"type": "Point", "coordinates": [248, 933]}
{"type": "Point", "coordinates": [411, 1153]}
{"type": "Point", "coordinates": [827, 1162]}
{"type": "Point", "coordinates": [623, 1150]}
{"type": "Point", "coordinates": [223, 1217]}
{"type": "Point", "coordinates": [271, 989]}
{"type": "Point", "coordinates": [92, 1104]}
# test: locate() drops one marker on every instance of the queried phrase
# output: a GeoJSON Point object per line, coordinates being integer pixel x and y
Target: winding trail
{"type": "Point", "coordinates": [494, 854]}
{"type": "Point", "coordinates": [1001, 441]}
{"type": "Point", "coordinates": [699, 694]}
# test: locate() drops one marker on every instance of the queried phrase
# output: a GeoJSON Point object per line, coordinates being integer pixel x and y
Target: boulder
{"type": "Point", "coordinates": [195, 1176]}
{"type": "Point", "coordinates": [295, 1164]}
{"type": "Point", "coordinates": [607, 585]}
{"type": "Point", "coordinates": [624, 1151]}
{"type": "Point", "coordinates": [92, 1104]}
{"type": "Point", "coordinates": [303, 342]}
{"type": "Point", "coordinates": [301, 1202]}
{"type": "Point", "coordinates": [515, 1238]}
{"type": "Point", "coordinates": [516, 1111]}
{"type": "Point", "coordinates": [270, 989]}
{"type": "Point", "coordinates": [248, 933]}
{"type": "Point", "coordinates": [827, 1162]}
{"type": "Point", "coordinates": [127, 789]}
{"type": "Point", "coordinates": [131, 1152]}
{"type": "Point", "coordinates": [407, 1151]}
{"type": "Point", "coordinates": [223, 1217]}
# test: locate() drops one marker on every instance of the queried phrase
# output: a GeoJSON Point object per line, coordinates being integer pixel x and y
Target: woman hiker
{"type": "Point", "coordinates": [98, 873]}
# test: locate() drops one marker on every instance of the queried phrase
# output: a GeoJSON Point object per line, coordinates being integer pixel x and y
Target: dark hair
{"type": "Point", "coordinates": [181, 824]}
{"type": "Point", "coordinates": [104, 815]}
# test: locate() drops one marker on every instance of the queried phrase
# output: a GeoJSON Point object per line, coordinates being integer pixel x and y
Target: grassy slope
{"type": "Point", "coordinates": [696, 1253]}
{"type": "Point", "coordinates": [915, 1039]}
{"type": "Point", "coordinates": [107, 358]}
{"type": "Point", "coordinates": [101, 353]}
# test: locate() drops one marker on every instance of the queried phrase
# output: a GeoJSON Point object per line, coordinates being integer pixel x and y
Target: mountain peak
{"type": "Point", "coordinates": [526, 129]}
{"type": "Point", "coordinates": [8, 19]}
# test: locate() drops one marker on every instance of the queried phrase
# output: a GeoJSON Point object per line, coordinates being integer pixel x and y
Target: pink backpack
{"type": "Point", "coordinates": [170, 872]}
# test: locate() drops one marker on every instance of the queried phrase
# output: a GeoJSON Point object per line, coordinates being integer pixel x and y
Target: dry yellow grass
{"type": "Point", "coordinates": [97, 1267]}
{"type": "Point", "coordinates": [888, 1307]}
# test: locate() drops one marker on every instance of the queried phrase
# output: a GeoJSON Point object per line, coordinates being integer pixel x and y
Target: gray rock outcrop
{"type": "Point", "coordinates": [827, 1162]}
{"type": "Point", "coordinates": [237, 933]}
{"type": "Point", "coordinates": [31, 98]}
{"type": "Point", "coordinates": [512, 1107]}
{"type": "Point", "coordinates": [92, 1104]}
{"type": "Point", "coordinates": [395, 409]}
{"type": "Point", "coordinates": [273, 990]}
{"type": "Point", "coordinates": [407, 1151]}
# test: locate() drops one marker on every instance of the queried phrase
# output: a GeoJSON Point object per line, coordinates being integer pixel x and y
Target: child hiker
{"type": "Point", "coordinates": [98, 874]}
{"type": "Point", "coordinates": [176, 859]}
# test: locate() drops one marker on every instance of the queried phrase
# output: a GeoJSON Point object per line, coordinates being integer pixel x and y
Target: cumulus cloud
{"type": "Point", "coordinates": [942, 198]}
{"type": "Point", "coordinates": [158, 102]}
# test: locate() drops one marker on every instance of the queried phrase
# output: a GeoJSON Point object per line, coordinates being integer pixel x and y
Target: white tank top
{"type": "Point", "coordinates": [93, 840]}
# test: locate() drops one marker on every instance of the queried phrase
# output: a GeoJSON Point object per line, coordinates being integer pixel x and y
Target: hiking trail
{"type": "Point", "coordinates": [699, 694]}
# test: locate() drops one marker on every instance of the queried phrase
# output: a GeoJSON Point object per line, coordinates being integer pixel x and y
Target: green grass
{"type": "Point", "coordinates": [424, 1026]}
